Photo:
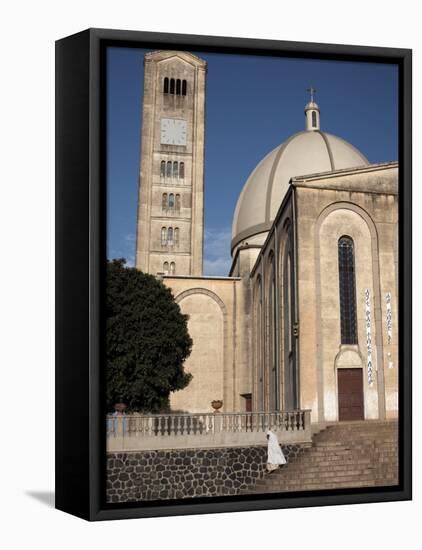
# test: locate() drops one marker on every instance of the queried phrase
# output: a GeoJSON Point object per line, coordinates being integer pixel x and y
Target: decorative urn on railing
{"type": "Point", "coordinates": [120, 407]}
{"type": "Point", "coordinates": [216, 404]}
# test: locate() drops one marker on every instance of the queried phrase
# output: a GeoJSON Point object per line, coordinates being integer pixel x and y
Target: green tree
{"type": "Point", "coordinates": [147, 340]}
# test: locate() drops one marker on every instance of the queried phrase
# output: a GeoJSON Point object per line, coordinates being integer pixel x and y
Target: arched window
{"type": "Point", "coordinates": [163, 236]}
{"type": "Point", "coordinates": [177, 204]}
{"type": "Point", "coordinates": [182, 170]}
{"type": "Point", "coordinates": [288, 302]}
{"type": "Point", "coordinates": [175, 169]}
{"type": "Point", "coordinates": [178, 86]}
{"type": "Point", "coordinates": [169, 164]}
{"type": "Point", "coordinates": [172, 86]}
{"type": "Point", "coordinates": [314, 122]}
{"type": "Point", "coordinates": [164, 201]}
{"type": "Point", "coordinates": [163, 169]}
{"type": "Point", "coordinates": [184, 87]}
{"type": "Point", "coordinates": [166, 268]}
{"type": "Point", "coordinates": [272, 343]}
{"type": "Point", "coordinates": [171, 200]}
{"type": "Point", "coordinates": [258, 347]}
{"type": "Point", "coordinates": [170, 236]}
{"type": "Point", "coordinates": [176, 236]}
{"type": "Point", "coordinates": [166, 86]}
{"type": "Point", "coordinates": [172, 268]}
{"type": "Point", "coordinates": [347, 283]}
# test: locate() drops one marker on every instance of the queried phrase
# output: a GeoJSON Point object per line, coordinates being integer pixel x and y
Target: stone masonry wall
{"type": "Point", "coordinates": [184, 473]}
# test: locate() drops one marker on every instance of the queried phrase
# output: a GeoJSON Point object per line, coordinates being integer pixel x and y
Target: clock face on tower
{"type": "Point", "coordinates": [173, 131]}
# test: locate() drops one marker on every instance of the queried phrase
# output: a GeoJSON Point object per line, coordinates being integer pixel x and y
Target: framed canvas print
{"type": "Point", "coordinates": [233, 274]}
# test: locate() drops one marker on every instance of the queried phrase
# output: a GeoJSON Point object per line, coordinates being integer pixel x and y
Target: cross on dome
{"type": "Point", "coordinates": [312, 91]}
{"type": "Point", "coordinates": [312, 111]}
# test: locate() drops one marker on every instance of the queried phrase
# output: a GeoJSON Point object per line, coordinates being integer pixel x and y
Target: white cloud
{"type": "Point", "coordinates": [220, 266]}
{"type": "Point", "coordinates": [217, 259]}
{"type": "Point", "coordinates": [126, 249]}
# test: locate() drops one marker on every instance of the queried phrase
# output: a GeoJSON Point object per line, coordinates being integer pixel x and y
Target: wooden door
{"type": "Point", "coordinates": [350, 394]}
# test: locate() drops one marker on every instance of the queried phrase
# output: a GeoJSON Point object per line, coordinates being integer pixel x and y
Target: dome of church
{"type": "Point", "coordinates": [308, 152]}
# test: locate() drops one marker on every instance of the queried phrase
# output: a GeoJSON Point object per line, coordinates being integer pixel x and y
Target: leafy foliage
{"type": "Point", "coordinates": [147, 340]}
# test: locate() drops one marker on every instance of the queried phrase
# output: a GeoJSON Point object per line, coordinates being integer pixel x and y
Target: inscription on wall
{"type": "Point", "coordinates": [369, 363]}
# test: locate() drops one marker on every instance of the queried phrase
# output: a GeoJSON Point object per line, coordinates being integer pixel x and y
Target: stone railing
{"type": "Point", "coordinates": [176, 431]}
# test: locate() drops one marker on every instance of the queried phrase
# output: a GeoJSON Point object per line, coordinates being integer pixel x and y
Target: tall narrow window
{"type": "Point", "coordinates": [163, 169]}
{"type": "Point", "coordinates": [177, 203]}
{"type": "Point", "coordinates": [314, 123]}
{"type": "Point", "coordinates": [166, 86]}
{"type": "Point", "coordinates": [346, 268]}
{"type": "Point", "coordinates": [169, 165]}
{"type": "Point", "coordinates": [175, 169]}
{"type": "Point", "coordinates": [164, 201]}
{"type": "Point", "coordinates": [184, 87]}
{"type": "Point", "coordinates": [171, 200]}
{"type": "Point", "coordinates": [170, 236]}
{"type": "Point", "coordinates": [178, 86]}
{"type": "Point", "coordinates": [182, 170]}
{"type": "Point", "coordinates": [176, 236]}
{"type": "Point", "coordinates": [172, 268]}
{"type": "Point", "coordinates": [163, 236]}
{"type": "Point", "coordinates": [172, 86]}
{"type": "Point", "coordinates": [166, 268]}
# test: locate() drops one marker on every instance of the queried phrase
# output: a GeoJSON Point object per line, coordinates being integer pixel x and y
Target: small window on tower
{"type": "Point", "coordinates": [163, 236]}
{"type": "Point", "coordinates": [172, 268]}
{"type": "Point", "coordinates": [175, 169]}
{"type": "Point", "coordinates": [182, 170]}
{"type": "Point", "coordinates": [166, 86]}
{"type": "Point", "coordinates": [176, 236]}
{"type": "Point", "coordinates": [184, 87]}
{"type": "Point", "coordinates": [163, 169]}
{"type": "Point", "coordinates": [164, 201]}
{"type": "Point", "coordinates": [178, 86]}
{"type": "Point", "coordinates": [166, 268]}
{"type": "Point", "coordinates": [177, 204]}
{"type": "Point", "coordinates": [171, 200]}
{"type": "Point", "coordinates": [170, 236]}
{"type": "Point", "coordinates": [314, 122]}
{"type": "Point", "coordinates": [169, 165]}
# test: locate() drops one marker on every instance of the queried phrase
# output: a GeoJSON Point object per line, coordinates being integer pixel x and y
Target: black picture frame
{"type": "Point", "coordinates": [80, 255]}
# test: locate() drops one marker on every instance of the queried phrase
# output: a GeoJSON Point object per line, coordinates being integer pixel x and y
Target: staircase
{"type": "Point", "coordinates": [346, 454]}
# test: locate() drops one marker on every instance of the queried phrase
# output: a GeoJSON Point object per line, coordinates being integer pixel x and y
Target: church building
{"type": "Point", "coordinates": [307, 316]}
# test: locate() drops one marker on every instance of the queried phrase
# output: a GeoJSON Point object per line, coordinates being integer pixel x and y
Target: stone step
{"type": "Point", "coordinates": [314, 470]}
{"type": "Point", "coordinates": [355, 454]}
{"type": "Point", "coordinates": [328, 477]}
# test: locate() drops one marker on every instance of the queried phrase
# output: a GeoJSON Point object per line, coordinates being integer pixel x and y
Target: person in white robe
{"type": "Point", "coordinates": [275, 454]}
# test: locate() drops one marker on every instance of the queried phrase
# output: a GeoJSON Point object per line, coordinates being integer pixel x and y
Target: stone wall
{"type": "Point", "coordinates": [184, 473]}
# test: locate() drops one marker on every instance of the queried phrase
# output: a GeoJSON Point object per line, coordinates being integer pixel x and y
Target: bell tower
{"type": "Point", "coordinates": [170, 228]}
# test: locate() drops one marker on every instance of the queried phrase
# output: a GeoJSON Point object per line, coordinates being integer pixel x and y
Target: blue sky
{"type": "Point", "coordinates": [252, 105]}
